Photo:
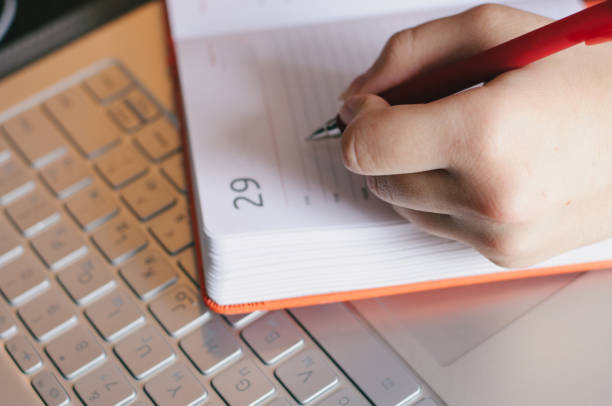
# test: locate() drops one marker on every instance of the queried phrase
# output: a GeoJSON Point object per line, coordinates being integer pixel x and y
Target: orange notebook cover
{"type": "Point", "coordinates": [275, 218]}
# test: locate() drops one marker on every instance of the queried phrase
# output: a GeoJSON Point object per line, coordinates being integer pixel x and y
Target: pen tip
{"type": "Point", "coordinates": [329, 130]}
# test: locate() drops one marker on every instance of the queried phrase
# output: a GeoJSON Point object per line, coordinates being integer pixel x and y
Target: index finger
{"type": "Point", "coordinates": [391, 140]}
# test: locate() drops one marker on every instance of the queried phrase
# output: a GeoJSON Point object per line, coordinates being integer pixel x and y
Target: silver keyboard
{"type": "Point", "coordinates": [99, 279]}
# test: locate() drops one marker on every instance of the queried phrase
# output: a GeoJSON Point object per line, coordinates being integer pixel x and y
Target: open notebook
{"type": "Point", "coordinates": [280, 221]}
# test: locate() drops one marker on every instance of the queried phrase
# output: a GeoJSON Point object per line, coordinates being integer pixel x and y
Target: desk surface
{"type": "Point", "coordinates": [138, 39]}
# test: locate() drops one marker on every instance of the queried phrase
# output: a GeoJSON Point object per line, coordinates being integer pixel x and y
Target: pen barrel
{"type": "Point", "coordinates": [590, 23]}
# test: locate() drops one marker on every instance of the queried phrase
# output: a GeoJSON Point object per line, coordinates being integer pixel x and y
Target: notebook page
{"type": "Point", "coordinates": [202, 18]}
{"type": "Point", "coordinates": [251, 99]}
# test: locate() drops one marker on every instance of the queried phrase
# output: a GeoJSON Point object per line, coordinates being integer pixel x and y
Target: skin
{"type": "Point", "coordinates": [519, 168]}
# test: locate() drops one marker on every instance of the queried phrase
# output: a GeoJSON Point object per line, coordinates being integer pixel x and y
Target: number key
{"type": "Point", "coordinates": [121, 165]}
{"type": "Point", "coordinates": [22, 279]}
{"type": "Point", "coordinates": [59, 245]}
{"type": "Point", "coordinates": [47, 314]}
{"type": "Point", "coordinates": [148, 197]}
{"type": "Point", "coordinates": [114, 315]}
{"type": "Point", "coordinates": [49, 389]}
{"type": "Point", "coordinates": [15, 181]}
{"type": "Point", "coordinates": [33, 212]}
{"type": "Point", "coordinates": [173, 229]}
{"type": "Point", "coordinates": [104, 386]}
{"type": "Point", "coordinates": [148, 274]}
{"type": "Point", "coordinates": [66, 175]}
{"type": "Point", "coordinates": [86, 279]}
{"type": "Point", "coordinates": [119, 239]}
{"type": "Point", "coordinates": [91, 207]}
{"type": "Point", "coordinates": [179, 309]}
{"type": "Point", "coordinates": [10, 245]}
{"type": "Point", "coordinates": [74, 352]}
{"type": "Point", "coordinates": [7, 325]}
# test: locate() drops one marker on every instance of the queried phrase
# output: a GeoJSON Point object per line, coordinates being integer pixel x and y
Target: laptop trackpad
{"type": "Point", "coordinates": [448, 323]}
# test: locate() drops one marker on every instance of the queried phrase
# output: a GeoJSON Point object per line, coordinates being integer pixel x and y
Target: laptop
{"type": "Point", "coordinates": [98, 279]}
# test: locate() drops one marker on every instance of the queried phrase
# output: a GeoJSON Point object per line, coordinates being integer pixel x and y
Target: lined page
{"type": "Point", "coordinates": [252, 98]}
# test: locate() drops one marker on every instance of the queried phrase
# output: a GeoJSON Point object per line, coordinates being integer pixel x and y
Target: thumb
{"type": "Point", "coordinates": [360, 104]}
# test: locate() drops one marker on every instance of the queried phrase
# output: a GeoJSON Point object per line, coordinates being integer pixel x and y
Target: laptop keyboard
{"type": "Point", "coordinates": [97, 270]}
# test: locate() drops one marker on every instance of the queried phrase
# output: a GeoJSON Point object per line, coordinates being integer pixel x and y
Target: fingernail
{"type": "Point", "coordinates": [378, 185]}
{"type": "Point", "coordinates": [353, 87]}
{"type": "Point", "coordinates": [347, 113]}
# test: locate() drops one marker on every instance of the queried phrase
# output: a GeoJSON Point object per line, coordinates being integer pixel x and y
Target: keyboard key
{"type": "Point", "coordinates": [36, 137]}
{"type": "Point", "coordinates": [22, 279]}
{"type": "Point", "coordinates": [175, 386]}
{"type": "Point", "coordinates": [123, 114]}
{"type": "Point", "coordinates": [49, 389]}
{"type": "Point", "coordinates": [91, 207]}
{"type": "Point", "coordinates": [144, 351]}
{"type": "Point", "coordinates": [59, 245]}
{"type": "Point", "coordinates": [273, 336]}
{"type": "Point", "coordinates": [174, 170]}
{"type": "Point", "coordinates": [158, 140]}
{"type": "Point", "coordinates": [148, 274]}
{"type": "Point", "coordinates": [15, 181]}
{"type": "Point", "coordinates": [142, 104]}
{"type": "Point", "coordinates": [5, 151]}
{"type": "Point", "coordinates": [173, 229]}
{"type": "Point", "coordinates": [33, 213]}
{"type": "Point", "coordinates": [278, 402]}
{"type": "Point", "coordinates": [242, 319]}
{"type": "Point", "coordinates": [88, 126]}
{"type": "Point", "coordinates": [24, 354]}
{"type": "Point", "coordinates": [86, 279]}
{"type": "Point", "coordinates": [7, 325]}
{"type": "Point", "coordinates": [306, 376]}
{"type": "Point", "coordinates": [108, 83]}
{"type": "Point", "coordinates": [47, 314]}
{"type": "Point", "coordinates": [114, 315]}
{"type": "Point", "coordinates": [211, 347]}
{"type": "Point", "coordinates": [179, 309]}
{"type": "Point", "coordinates": [119, 239]}
{"type": "Point", "coordinates": [427, 402]}
{"type": "Point", "coordinates": [243, 384]}
{"type": "Point", "coordinates": [66, 176]}
{"type": "Point", "coordinates": [186, 262]}
{"type": "Point", "coordinates": [344, 397]}
{"type": "Point", "coordinates": [376, 369]}
{"type": "Point", "coordinates": [74, 352]}
{"type": "Point", "coordinates": [104, 386]}
{"type": "Point", "coordinates": [10, 244]}
{"type": "Point", "coordinates": [148, 197]}
{"type": "Point", "coordinates": [121, 165]}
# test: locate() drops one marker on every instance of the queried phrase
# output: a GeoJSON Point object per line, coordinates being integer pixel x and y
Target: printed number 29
{"type": "Point", "coordinates": [241, 185]}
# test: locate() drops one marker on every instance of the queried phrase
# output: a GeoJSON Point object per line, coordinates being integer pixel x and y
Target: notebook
{"type": "Point", "coordinates": [280, 221]}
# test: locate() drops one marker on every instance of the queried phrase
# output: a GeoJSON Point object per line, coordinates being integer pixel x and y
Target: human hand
{"type": "Point", "coordinates": [520, 169]}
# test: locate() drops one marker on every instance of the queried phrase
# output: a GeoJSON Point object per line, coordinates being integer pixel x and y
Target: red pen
{"type": "Point", "coordinates": [592, 25]}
